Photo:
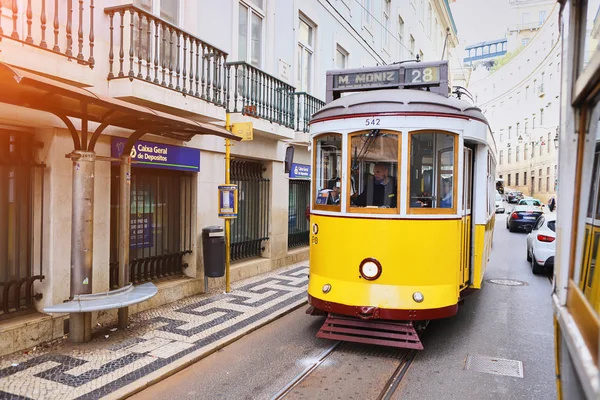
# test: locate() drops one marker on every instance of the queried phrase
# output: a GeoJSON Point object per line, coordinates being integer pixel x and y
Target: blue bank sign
{"type": "Point", "coordinates": [158, 155]}
{"type": "Point", "coordinates": [300, 171]}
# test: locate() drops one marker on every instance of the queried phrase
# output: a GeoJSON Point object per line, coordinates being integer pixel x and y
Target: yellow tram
{"type": "Point", "coordinates": [402, 210]}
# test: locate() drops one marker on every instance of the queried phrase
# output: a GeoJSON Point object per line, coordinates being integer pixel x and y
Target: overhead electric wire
{"type": "Point", "coordinates": [383, 26]}
{"type": "Point", "coordinates": [355, 31]}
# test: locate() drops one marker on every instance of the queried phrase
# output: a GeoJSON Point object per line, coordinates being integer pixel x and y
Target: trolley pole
{"type": "Point", "coordinates": [227, 220]}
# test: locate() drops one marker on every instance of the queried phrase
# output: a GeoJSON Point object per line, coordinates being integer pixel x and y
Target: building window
{"type": "Point", "coordinates": [429, 19]}
{"type": "Point", "coordinates": [541, 116]}
{"type": "Point", "coordinates": [367, 4]}
{"type": "Point", "coordinates": [509, 155]}
{"type": "Point", "coordinates": [542, 16]}
{"type": "Point", "coordinates": [500, 137]}
{"type": "Point", "coordinates": [250, 34]}
{"type": "Point", "coordinates": [167, 10]}
{"type": "Point", "coordinates": [508, 179]}
{"type": "Point", "coordinates": [305, 56]}
{"type": "Point", "coordinates": [400, 38]}
{"type": "Point", "coordinates": [525, 151]}
{"type": "Point", "coordinates": [524, 42]}
{"type": "Point", "coordinates": [518, 154]}
{"type": "Point", "coordinates": [547, 184]}
{"type": "Point", "coordinates": [509, 130]}
{"type": "Point", "coordinates": [540, 146]}
{"type": "Point", "coordinates": [341, 57]}
{"type": "Point", "coordinates": [548, 148]}
{"type": "Point", "coordinates": [517, 179]}
{"type": "Point", "coordinates": [518, 125]}
{"type": "Point", "coordinates": [533, 123]}
{"type": "Point", "coordinates": [526, 127]}
{"type": "Point", "coordinates": [421, 55]}
{"type": "Point", "coordinates": [539, 184]}
{"type": "Point", "coordinates": [386, 24]}
{"type": "Point", "coordinates": [524, 178]}
{"type": "Point", "coordinates": [501, 157]}
{"type": "Point", "coordinates": [412, 45]}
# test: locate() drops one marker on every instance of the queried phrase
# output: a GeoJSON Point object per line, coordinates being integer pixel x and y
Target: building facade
{"type": "Point", "coordinates": [167, 72]}
{"type": "Point", "coordinates": [521, 102]}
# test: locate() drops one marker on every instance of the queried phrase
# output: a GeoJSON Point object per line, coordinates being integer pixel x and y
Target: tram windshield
{"type": "Point", "coordinates": [328, 170]}
{"type": "Point", "coordinates": [374, 170]}
{"type": "Point", "coordinates": [432, 170]}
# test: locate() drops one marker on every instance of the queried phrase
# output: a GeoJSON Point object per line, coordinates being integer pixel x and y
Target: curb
{"type": "Point", "coordinates": [186, 361]}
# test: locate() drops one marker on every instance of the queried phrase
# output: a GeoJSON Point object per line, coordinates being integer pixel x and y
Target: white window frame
{"type": "Point", "coordinates": [401, 27]}
{"type": "Point", "coordinates": [386, 29]}
{"type": "Point", "coordinates": [367, 12]}
{"type": "Point", "coordinates": [309, 48]}
{"type": "Point", "coordinates": [341, 50]}
{"type": "Point", "coordinates": [429, 19]}
{"type": "Point", "coordinates": [253, 9]}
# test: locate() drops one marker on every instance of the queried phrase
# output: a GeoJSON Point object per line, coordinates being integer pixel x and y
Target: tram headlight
{"type": "Point", "coordinates": [326, 288]}
{"type": "Point", "coordinates": [418, 297]}
{"type": "Point", "coordinates": [370, 269]}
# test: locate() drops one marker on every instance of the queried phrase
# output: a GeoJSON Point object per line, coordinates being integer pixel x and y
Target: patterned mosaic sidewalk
{"type": "Point", "coordinates": [158, 341]}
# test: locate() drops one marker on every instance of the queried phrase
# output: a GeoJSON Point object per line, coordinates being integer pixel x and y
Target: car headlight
{"type": "Point", "coordinates": [370, 269]}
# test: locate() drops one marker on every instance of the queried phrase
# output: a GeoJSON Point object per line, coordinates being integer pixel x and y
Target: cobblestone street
{"type": "Point", "coordinates": [157, 343]}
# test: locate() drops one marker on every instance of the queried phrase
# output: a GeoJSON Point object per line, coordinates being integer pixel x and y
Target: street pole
{"type": "Point", "coordinates": [227, 220]}
{"type": "Point", "coordinates": [124, 231]}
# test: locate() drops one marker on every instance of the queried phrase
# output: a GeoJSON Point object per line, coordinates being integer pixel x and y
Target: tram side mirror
{"type": "Point", "coordinates": [289, 159]}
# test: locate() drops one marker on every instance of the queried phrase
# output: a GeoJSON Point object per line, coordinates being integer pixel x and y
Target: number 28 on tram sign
{"type": "Point", "coordinates": [421, 76]}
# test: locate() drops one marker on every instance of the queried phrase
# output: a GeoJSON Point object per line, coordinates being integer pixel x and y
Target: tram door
{"type": "Point", "coordinates": [466, 232]}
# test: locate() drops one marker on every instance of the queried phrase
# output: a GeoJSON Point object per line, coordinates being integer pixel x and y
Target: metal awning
{"type": "Point", "coordinates": [26, 89]}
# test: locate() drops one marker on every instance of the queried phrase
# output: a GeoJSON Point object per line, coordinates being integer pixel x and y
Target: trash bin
{"type": "Point", "coordinates": [213, 244]}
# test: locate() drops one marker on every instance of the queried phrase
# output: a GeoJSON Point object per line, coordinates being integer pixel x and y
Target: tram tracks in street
{"type": "Point", "coordinates": [344, 364]}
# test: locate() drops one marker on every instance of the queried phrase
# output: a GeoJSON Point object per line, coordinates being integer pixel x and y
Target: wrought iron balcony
{"type": "Point", "coordinates": [306, 106]}
{"type": "Point", "coordinates": [258, 94]}
{"type": "Point", "coordinates": [66, 21]}
{"type": "Point", "coordinates": [149, 48]}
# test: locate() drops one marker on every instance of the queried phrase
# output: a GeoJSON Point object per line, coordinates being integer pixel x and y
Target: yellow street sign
{"type": "Point", "coordinates": [243, 130]}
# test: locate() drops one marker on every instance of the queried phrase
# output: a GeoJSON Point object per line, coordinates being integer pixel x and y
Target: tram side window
{"type": "Point", "coordinates": [374, 170]}
{"type": "Point", "coordinates": [432, 181]}
{"type": "Point", "coordinates": [589, 280]}
{"type": "Point", "coordinates": [328, 170]}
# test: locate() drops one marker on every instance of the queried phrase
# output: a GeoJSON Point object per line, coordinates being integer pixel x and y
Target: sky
{"type": "Point", "coordinates": [481, 20]}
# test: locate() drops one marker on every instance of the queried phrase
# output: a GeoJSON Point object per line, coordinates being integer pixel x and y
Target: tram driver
{"type": "Point", "coordinates": [380, 189]}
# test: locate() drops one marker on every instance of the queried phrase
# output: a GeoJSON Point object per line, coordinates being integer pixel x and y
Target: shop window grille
{"type": "Point", "coordinates": [298, 225]}
{"type": "Point", "coordinates": [250, 230]}
{"type": "Point", "coordinates": [21, 223]}
{"type": "Point", "coordinates": [160, 224]}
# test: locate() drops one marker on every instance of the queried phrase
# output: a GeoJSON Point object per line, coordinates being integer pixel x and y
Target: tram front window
{"type": "Point", "coordinates": [432, 183]}
{"type": "Point", "coordinates": [374, 170]}
{"type": "Point", "coordinates": [328, 168]}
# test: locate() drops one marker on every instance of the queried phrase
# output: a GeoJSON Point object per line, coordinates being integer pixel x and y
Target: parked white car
{"type": "Point", "coordinates": [499, 204]}
{"type": "Point", "coordinates": [541, 244]}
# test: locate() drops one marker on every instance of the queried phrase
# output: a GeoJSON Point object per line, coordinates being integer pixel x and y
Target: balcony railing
{"type": "Point", "coordinates": [306, 106]}
{"type": "Point", "coordinates": [149, 48]}
{"type": "Point", "coordinates": [258, 94]}
{"type": "Point", "coordinates": [60, 26]}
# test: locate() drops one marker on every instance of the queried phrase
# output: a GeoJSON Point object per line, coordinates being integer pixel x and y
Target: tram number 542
{"type": "Point", "coordinates": [372, 121]}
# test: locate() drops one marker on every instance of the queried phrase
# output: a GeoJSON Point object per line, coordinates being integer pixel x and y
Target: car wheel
{"type": "Point", "coordinates": [536, 268]}
{"type": "Point", "coordinates": [528, 255]}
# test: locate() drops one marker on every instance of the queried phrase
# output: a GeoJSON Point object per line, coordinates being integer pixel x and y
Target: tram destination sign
{"type": "Point", "coordinates": [159, 155]}
{"type": "Point", "coordinates": [432, 75]}
{"type": "Point", "coordinates": [367, 79]}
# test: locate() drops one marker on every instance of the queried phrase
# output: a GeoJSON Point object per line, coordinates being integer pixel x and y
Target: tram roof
{"type": "Point", "coordinates": [403, 101]}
